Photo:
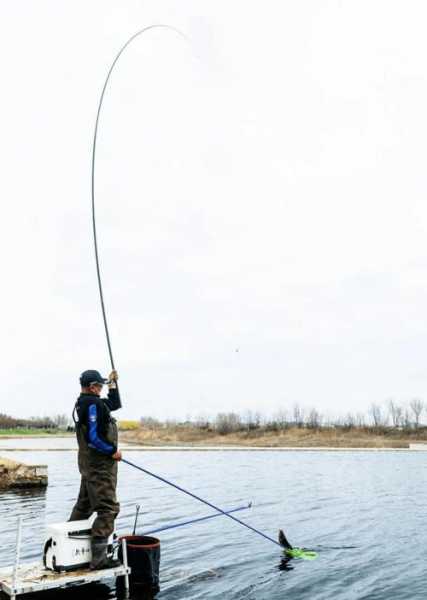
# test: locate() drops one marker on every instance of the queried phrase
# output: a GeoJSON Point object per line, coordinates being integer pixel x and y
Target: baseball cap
{"type": "Point", "coordinates": [91, 376]}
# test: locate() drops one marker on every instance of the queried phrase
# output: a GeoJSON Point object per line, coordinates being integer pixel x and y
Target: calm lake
{"type": "Point", "coordinates": [364, 513]}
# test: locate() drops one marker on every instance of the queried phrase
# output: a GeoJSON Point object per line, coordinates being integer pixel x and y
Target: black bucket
{"type": "Point", "coordinates": [144, 560]}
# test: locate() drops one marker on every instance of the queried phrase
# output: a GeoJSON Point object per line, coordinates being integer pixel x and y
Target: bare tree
{"type": "Point", "coordinates": [258, 419]}
{"type": "Point", "coordinates": [314, 420]}
{"type": "Point", "coordinates": [8, 422]}
{"type": "Point", "coordinates": [281, 418]}
{"type": "Point", "coordinates": [227, 423]}
{"type": "Point", "coordinates": [201, 421]}
{"type": "Point", "coordinates": [251, 420]}
{"type": "Point", "coordinates": [417, 407]}
{"type": "Point", "coordinates": [377, 415]}
{"type": "Point", "coordinates": [298, 414]}
{"type": "Point", "coordinates": [396, 412]}
{"type": "Point", "coordinates": [149, 423]}
{"type": "Point", "coordinates": [328, 421]}
{"type": "Point", "coordinates": [349, 421]}
{"type": "Point", "coordinates": [360, 420]}
{"type": "Point", "coordinates": [406, 419]}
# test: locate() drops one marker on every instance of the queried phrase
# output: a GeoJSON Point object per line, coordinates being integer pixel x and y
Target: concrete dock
{"type": "Point", "coordinates": [20, 475]}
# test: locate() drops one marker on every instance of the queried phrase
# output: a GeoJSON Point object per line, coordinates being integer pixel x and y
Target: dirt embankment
{"type": "Point", "coordinates": [291, 437]}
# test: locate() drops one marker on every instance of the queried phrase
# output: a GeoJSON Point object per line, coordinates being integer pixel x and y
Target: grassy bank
{"type": "Point", "coordinates": [26, 431]}
{"type": "Point", "coordinates": [296, 437]}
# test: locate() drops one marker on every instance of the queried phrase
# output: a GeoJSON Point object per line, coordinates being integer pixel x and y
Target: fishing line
{"type": "Point", "coordinates": [181, 489]}
{"type": "Point", "coordinates": [95, 137]}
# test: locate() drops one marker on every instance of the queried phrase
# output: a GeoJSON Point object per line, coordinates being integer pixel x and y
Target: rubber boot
{"type": "Point", "coordinates": [100, 559]}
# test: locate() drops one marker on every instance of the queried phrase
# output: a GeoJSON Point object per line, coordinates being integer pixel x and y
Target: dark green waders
{"type": "Point", "coordinates": [97, 490]}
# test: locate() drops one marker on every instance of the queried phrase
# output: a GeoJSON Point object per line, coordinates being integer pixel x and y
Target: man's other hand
{"type": "Point", "coordinates": [117, 455]}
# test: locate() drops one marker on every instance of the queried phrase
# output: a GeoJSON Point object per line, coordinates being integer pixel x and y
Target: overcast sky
{"type": "Point", "coordinates": [261, 194]}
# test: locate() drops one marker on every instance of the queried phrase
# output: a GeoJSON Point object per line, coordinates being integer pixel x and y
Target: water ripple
{"type": "Point", "coordinates": [363, 513]}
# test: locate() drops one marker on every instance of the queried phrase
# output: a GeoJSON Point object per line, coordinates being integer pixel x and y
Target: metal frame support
{"type": "Point", "coordinates": [17, 557]}
{"type": "Point", "coordinates": [125, 564]}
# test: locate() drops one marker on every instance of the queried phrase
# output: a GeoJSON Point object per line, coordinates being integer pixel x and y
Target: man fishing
{"type": "Point", "coordinates": [98, 456]}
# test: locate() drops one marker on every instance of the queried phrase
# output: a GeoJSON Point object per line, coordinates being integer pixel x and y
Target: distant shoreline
{"type": "Point", "coordinates": [413, 448]}
{"type": "Point", "coordinates": [291, 440]}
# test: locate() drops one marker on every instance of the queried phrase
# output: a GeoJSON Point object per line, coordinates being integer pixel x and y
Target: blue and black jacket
{"type": "Point", "coordinates": [94, 413]}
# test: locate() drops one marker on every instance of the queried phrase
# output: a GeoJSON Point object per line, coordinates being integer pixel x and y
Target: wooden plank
{"type": "Point", "coordinates": [35, 578]}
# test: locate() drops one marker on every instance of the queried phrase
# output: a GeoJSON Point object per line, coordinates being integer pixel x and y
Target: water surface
{"type": "Point", "coordinates": [363, 512]}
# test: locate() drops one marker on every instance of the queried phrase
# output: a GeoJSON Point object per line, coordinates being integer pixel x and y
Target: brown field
{"type": "Point", "coordinates": [291, 437]}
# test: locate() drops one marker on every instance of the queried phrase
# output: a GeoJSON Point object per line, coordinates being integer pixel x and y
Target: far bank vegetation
{"type": "Point", "coordinates": [390, 424]}
{"type": "Point", "coordinates": [34, 425]}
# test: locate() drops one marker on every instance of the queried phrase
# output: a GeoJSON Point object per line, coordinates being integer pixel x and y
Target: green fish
{"type": "Point", "coordinates": [292, 552]}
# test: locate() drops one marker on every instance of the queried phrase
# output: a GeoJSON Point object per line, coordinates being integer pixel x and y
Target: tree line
{"type": "Point", "coordinates": [55, 422]}
{"type": "Point", "coordinates": [380, 417]}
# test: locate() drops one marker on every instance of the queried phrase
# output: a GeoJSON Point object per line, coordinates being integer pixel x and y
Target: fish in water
{"type": "Point", "coordinates": [292, 552]}
{"type": "Point", "coordinates": [283, 541]}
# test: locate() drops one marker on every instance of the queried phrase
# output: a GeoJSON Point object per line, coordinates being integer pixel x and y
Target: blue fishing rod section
{"type": "Point", "coordinates": [198, 520]}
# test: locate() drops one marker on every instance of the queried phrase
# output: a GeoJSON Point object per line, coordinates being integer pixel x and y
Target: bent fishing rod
{"type": "Point", "coordinates": [99, 278]}
{"type": "Point", "coordinates": [94, 145]}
